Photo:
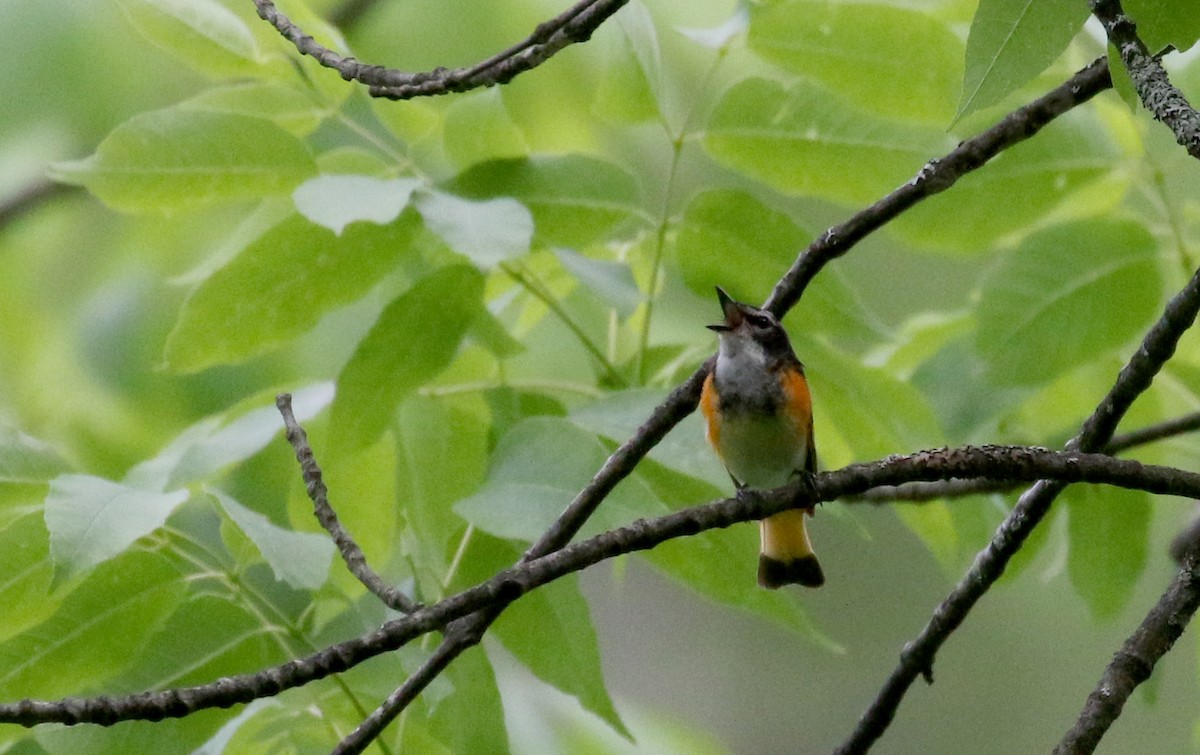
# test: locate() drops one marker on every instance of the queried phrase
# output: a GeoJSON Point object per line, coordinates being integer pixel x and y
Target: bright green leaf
{"type": "Point", "coordinates": [413, 340]}
{"type": "Point", "coordinates": [1108, 530]}
{"type": "Point", "coordinates": [92, 519]}
{"type": "Point", "coordinates": [26, 459]}
{"type": "Point", "coordinates": [1165, 22]}
{"type": "Point", "coordinates": [486, 232]}
{"type": "Point", "coordinates": [730, 239]}
{"type": "Point", "coordinates": [469, 720]}
{"type": "Point", "coordinates": [105, 621]}
{"type": "Point", "coordinates": [27, 572]}
{"type": "Point", "coordinates": [1016, 189]}
{"type": "Point", "coordinates": [336, 201]}
{"type": "Point", "coordinates": [867, 53]}
{"type": "Point", "coordinates": [1011, 42]}
{"type": "Point", "coordinates": [575, 200]}
{"type": "Point", "coordinates": [1069, 294]}
{"type": "Point", "coordinates": [202, 33]}
{"type": "Point", "coordinates": [182, 158]}
{"type": "Point", "coordinates": [292, 107]}
{"type": "Point", "coordinates": [804, 139]}
{"type": "Point", "coordinates": [299, 558]}
{"type": "Point", "coordinates": [478, 128]}
{"type": "Point", "coordinates": [630, 88]}
{"type": "Point", "coordinates": [279, 287]}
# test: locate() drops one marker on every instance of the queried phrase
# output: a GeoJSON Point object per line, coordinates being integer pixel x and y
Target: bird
{"type": "Point", "coordinates": [758, 411]}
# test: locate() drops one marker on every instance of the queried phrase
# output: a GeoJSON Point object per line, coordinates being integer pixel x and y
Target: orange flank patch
{"type": "Point", "coordinates": [708, 407]}
{"type": "Point", "coordinates": [799, 409]}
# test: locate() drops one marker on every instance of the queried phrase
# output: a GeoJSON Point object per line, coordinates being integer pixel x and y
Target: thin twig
{"type": "Point", "coordinates": [574, 25]}
{"type": "Point", "coordinates": [489, 597]}
{"type": "Point", "coordinates": [1135, 661]}
{"type": "Point", "coordinates": [355, 560]}
{"type": "Point", "coordinates": [917, 657]}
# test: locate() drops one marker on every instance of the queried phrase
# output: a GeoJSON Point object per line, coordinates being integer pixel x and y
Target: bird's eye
{"type": "Point", "coordinates": [759, 321]}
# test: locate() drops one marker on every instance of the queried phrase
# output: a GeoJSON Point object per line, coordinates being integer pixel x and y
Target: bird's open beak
{"type": "Point", "coordinates": [729, 307]}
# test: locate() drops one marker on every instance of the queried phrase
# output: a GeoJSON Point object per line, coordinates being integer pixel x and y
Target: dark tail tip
{"type": "Point", "coordinates": [773, 574]}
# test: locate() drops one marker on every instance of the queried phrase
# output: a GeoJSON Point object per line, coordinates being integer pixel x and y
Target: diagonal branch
{"type": "Point", "coordinates": [574, 25]}
{"type": "Point", "coordinates": [917, 656]}
{"type": "Point", "coordinates": [1136, 659]}
{"type": "Point", "coordinates": [937, 175]}
{"type": "Point", "coordinates": [1016, 462]}
{"type": "Point", "coordinates": [1157, 93]}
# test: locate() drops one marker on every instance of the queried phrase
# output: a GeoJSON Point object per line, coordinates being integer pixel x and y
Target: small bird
{"type": "Point", "coordinates": [759, 414]}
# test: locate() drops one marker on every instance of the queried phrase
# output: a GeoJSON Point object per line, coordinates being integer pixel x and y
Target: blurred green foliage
{"type": "Point", "coordinates": [475, 297]}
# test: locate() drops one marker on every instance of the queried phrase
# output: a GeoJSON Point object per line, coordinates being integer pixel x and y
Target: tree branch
{"type": "Point", "coordinates": [937, 176]}
{"type": "Point", "coordinates": [916, 492]}
{"type": "Point", "coordinates": [934, 177]}
{"type": "Point", "coordinates": [917, 656]}
{"type": "Point", "coordinates": [1015, 462]}
{"type": "Point", "coordinates": [576, 24]}
{"type": "Point", "coordinates": [355, 560]}
{"type": "Point", "coordinates": [1135, 661]}
{"type": "Point", "coordinates": [1160, 97]}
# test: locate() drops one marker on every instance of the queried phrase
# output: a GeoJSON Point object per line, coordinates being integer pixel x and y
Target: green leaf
{"type": "Point", "coordinates": [27, 569]}
{"type": "Point", "coordinates": [730, 239]}
{"type": "Point", "coordinates": [1108, 530]}
{"type": "Point", "coordinates": [804, 139]}
{"type": "Point", "coordinates": [1017, 188]}
{"type": "Point", "coordinates": [234, 640]}
{"type": "Point", "coordinates": [202, 33]}
{"type": "Point", "coordinates": [24, 458]}
{"type": "Point", "coordinates": [279, 287]}
{"type": "Point", "coordinates": [291, 107]}
{"type": "Point", "coordinates": [414, 339]}
{"type": "Point", "coordinates": [486, 232]}
{"type": "Point", "coordinates": [299, 558]}
{"type": "Point", "coordinates": [215, 442]}
{"type": "Point", "coordinates": [618, 415]}
{"type": "Point", "coordinates": [471, 719]}
{"type": "Point", "coordinates": [182, 158]}
{"type": "Point", "coordinates": [1052, 304]}
{"type": "Point", "coordinates": [611, 281]}
{"type": "Point", "coordinates": [549, 630]}
{"type": "Point", "coordinates": [1011, 42]}
{"type": "Point", "coordinates": [1165, 22]}
{"type": "Point", "coordinates": [478, 128]}
{"type": "Point", "coordinates": [866, 53]}
{"type": "Point", "coordinates": [575, 200]}
{"type": "Point", "coordinates": [336, 201]}
{"type": "Point", "coordinates": [441, 456]}
{"type": "Point", "coordinates": [102, 624]}
{"type": "Point", "coordinates": [524, 494]}
{"type": "Point", "coordinates": [92, 519]}
{"type": "Point", "coordinates": [1122, 84]}
{"type": "Point", "coordinates": [630, 88]}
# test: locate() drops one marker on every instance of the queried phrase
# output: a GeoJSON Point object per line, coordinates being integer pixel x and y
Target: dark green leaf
{"type": "Point", "coordinates": [414, 339]}
{"type": "Point", "coordinates": [279, 287]}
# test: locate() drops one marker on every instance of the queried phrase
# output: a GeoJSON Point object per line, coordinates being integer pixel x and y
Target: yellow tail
{"type": "Point", "coordinates": [786, 556]}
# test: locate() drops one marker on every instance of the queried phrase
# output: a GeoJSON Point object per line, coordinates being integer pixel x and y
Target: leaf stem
{"type": "Point", "coordinates": [525, 277]}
